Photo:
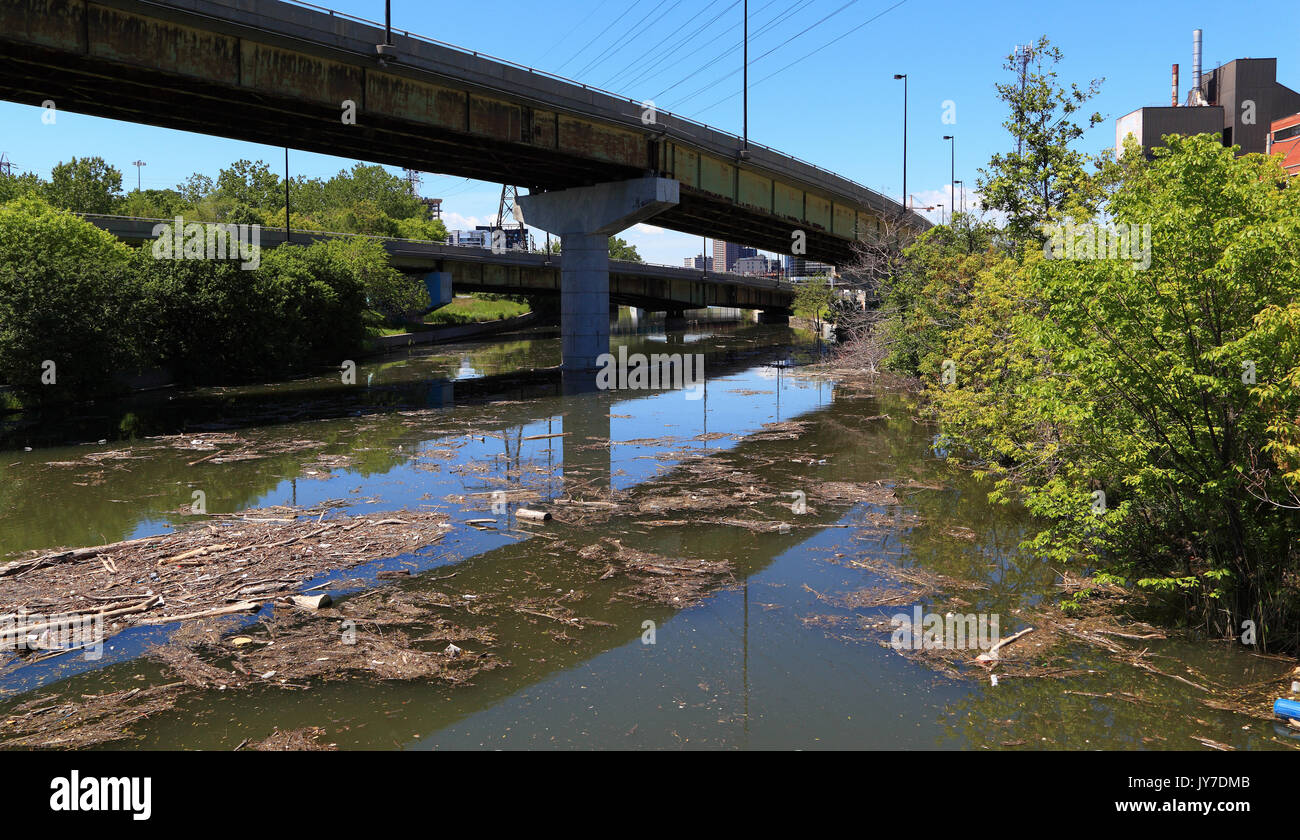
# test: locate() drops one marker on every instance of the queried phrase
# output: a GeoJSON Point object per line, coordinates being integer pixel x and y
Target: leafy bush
{"type": "Point", "coordinates": [60, 300]}
{"type": "Point", "coordinates": [1082, 376]}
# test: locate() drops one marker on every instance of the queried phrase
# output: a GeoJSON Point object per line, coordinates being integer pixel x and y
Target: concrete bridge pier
{"type": "Point", "coordinates": [585, 218]}
{"type": "Point", "coordinates": [771, 316]}
{"type": "Point", "coordinates": [675, 320]}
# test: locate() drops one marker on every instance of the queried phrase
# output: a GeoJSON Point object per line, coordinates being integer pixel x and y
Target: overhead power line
{"type": "Point", "coordinates": [632, 32]}
{"type": "Point", "coordinates": [635, 3]}
{"type": "Point", "coordinates": [792, 9]}
{"type": "Point", "coordinates": [651, 53]}
{"type": "Point", "coordinates": [810, 54]}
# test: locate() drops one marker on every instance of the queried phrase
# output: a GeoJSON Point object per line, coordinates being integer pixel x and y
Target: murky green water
{"type": "Point", "coordinates": [756, 664]}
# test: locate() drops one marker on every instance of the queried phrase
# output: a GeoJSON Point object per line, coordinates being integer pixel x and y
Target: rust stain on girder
{"type": "Point", "coordinates": [717, 177]}
{"type": "Point", "coordinates": [166, 46]}
{"type": "Point", "coordinates": [817, 211]}
{"type": "Point", "coordinates": [50, 23]}
{"type": "Point", "coordinates": [591, 139]}
{"type": "Point", "coordinates": [495, 118]}
{"type": "Point", "coordinates": [278, 71]}
{"type": "Point", "coordinates": [787, 201]}
{"type": "Point", "coordinates": [401, 98]}
{"type": "Point", "coordinates": [754, 191]}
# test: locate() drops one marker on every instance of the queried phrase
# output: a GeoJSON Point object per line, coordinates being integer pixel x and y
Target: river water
{"type": "Point", "coordinates": [764, 662]}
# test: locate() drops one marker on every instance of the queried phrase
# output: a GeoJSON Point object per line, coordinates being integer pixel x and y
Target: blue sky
{"type": "Point", "coordinates": [839, 108]}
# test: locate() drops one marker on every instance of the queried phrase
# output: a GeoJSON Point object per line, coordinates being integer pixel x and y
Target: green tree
{"type": "Point", "coordinates": [85, 185]}
{"type": "Point", "coordinates": [1044, 178]}
{"type": "Point", "coordinates": [15, 186]}
{"type": "Point", "coordinates": [620, 250]}
{"type": "Point", "coordinates": [813, 298]}
{"type": "Point", "coordinates": [1173, 389]}
{"type": "Point", "coordinates": [151, 204]}
{"type": "Point", "coordinates": [251, 184]}
{"type": "Point", "coordinates": [60, 286]}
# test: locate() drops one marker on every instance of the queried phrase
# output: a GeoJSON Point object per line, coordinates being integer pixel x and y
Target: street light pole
{"type": "Point", "coordinates": [952, 170]}
{"type": "Point", "coordinates": [903, 76]}
{"type": "Point", "coordinates": [137, 164]}
{"type": "Point", "coordinates": [963, 195]}
{"type": "Point", "coordinates": [745, 80]}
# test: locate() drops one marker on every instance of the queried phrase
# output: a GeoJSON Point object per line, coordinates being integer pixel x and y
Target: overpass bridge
{"type": "Point", "coordinates": [657, 288]}
{"type": "Point", "coordinates": [289, 74]}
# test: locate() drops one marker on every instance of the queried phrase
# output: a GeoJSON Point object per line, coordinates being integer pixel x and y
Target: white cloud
{"type": "Point", "coordinates": [933, 198]}
{"type": "Point", "coordinates": [455, 221]}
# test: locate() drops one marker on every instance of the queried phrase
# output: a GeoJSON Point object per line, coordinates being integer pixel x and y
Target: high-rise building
{"type": "Point", "coordinates": [725, 255]}
{"type": "Point", "coordinates": [701, 263]}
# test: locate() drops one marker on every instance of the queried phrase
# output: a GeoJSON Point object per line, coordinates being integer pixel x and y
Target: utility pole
{"type": "Point", "coordinates": [903, 76]}
{"type": "Point", "coordinates": [412, 181]}
{"type": "Point", "coordinates": [952, 171]}
{"type": "Point", "coordinates": [1022, 54]}
{"type": "Point", "coordinates": [137, 164]}
{"type": "Point", "coordinates": [744, 84]}
{"type": "Point", "coordinates": [286, 195]}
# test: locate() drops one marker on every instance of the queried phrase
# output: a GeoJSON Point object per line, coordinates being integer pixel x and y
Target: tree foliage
{"type": "Point", "coordinates": [1045, 177]}
{"type": "Point", "coordinates": [1080, 377]}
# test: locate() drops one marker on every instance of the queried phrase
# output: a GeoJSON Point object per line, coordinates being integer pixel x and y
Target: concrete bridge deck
{"type": "Point", "coordinates": [279, 73]}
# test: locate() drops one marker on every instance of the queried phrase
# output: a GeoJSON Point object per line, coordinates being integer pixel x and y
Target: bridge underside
{"type": "Point", "coordinates": [250, 84]}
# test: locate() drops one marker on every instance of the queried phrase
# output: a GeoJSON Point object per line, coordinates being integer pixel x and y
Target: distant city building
{"type": "Point", "coordinates": [1284, 140]}
{"type": "Point", "coordinates": [470, 238]}
{"type": "Point", "coordinates": [756, 264]}
{"type": "Point", "coordinates": [725, 255]}
{"type": "Point", "coordinates": [701, 263]}
{"type": "Point", "coordinates": [516, 237]}
{"type": "Point", "coordinates": [800, 267]}
{"type": "Point", "coordinates": [1240, 101]}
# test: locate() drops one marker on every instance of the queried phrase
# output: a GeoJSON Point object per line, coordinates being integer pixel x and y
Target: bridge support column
{"type": "Point", "coordinates": [674, 320]}
{"type": "Point", "coordinates": [438, 284]}
{"type": "Point", "coordinates": [585, 218]}
{"type": "Point", "coordinates": [773, 316]}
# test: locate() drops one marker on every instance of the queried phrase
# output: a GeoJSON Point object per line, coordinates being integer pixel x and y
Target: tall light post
{"type": "Point", "coordinates": [903, 76]}
{"type": "Point", "coordinates": [286, 195]}
{"type": "Point", "coordinates": [137, 164]}
{"type": "Point", "coordinates": [963, 195]}
{"type": "Point", "coordinates": [744, 84]}
{"type": "Point", "coordinates": [952, 171]}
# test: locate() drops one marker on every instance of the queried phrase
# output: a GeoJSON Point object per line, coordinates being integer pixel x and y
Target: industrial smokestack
{"type": "Point", "coordinates": [1173, 97]}
{"type": "Point", "coordinates": [1196, 59]}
